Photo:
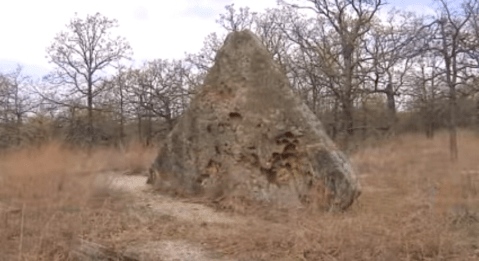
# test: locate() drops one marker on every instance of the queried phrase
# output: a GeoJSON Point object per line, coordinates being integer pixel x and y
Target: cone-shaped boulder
{"type": "Point", "coordinates": [246, 134]}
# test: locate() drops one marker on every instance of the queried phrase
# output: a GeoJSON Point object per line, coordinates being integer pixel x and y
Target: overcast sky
{"type": "Point", "coordinates": [155, 29]}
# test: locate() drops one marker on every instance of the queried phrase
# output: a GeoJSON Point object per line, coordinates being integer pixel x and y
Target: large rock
{"type": "Point", "coordinates": [247, 135]}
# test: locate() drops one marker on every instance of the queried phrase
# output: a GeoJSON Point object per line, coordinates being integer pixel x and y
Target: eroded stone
{"type": "Point", "coordinates": [247, 135]}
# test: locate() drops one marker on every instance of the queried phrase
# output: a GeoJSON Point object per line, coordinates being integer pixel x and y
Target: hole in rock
{"type": "Point", "coordinates": [284, 137]}
{"type": "Point", "coordinates": [208, 128]}
{"type": "Point", "coordinates": [213, 167]}
{"type": "Point", "coordinates": [287, 155]}
{"type": "Point", "coordinates": [243, 158]}
{"type": "Point", "coordinates": [290, 147]}
{"type": "Point", "coordinates": [217, 150]}
{"type": "Point", "coordinates": [235, 115]}
{"type": "Point", "coordinates": [270, 174]}
{"type": "Point", "coordinates": [210, 163]}
{"type": "Point", "coordinates": [202, 177]}
{"type": "Point", "coordinates": [287, 165]}
{"type": "Point", "coordinates": [289, 135]}
{"type": "Point", "coordinates": [251, 147]}
{"type": "Point", "coordinates": [255, 160]}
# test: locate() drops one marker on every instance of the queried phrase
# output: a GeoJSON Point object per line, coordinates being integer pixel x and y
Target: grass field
{"type": "Point", "coordinates": [415, 205]}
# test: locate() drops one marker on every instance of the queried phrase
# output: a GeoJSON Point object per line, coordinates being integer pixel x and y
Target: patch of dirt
{"type": "Point", "coordinates": [171, 250]}
{"type": "Point", "coordinates": [143, 199]}
{"type": "Point", "coordinates": [144, 196]}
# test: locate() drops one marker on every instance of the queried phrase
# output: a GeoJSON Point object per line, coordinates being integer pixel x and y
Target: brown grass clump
{"type": "Point", "coordinates": [47, 198]}
{"type": "Point", "coordinates": [415, 205]}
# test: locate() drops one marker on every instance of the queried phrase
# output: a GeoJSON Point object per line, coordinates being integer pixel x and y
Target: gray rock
{"type": "Point", "coordinates": [247, 135]}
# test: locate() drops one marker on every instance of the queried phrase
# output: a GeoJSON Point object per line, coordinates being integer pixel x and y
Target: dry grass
{"type": "Point", "coordinates": [415, 205]}
{"type": "Point", "coordinates": [47, 198]}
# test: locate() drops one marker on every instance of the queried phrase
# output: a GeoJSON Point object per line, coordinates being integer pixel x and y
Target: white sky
{"type": "Point", "coordinates": [155, 29]}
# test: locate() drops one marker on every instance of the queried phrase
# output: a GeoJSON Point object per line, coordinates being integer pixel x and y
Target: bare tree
{"type": "Point", "coordinates": [203, 61]}
{"type": "Point", "coordinates": [338, 33]}
{"type": "Point", "coordinates": [17, 103]}
{"type": "Point", "coordinates": [391, 46]}
{"type": "Point", "coordinates": [120, 82]}
{"type": "Point", "coordinates": [451, 38]}
{"type": "Point", "coordinates": [158, 93]}
{"type": "Point", "coordinates": [426, 92]}
{"type": "Point", "coordinates": [15, 98]}
{"type": "Point", "coordinates": [233, 21]}
{"type": "Point", "coordinates": [117, 99]}
{"type": "Point", "coordinates": [470, 39]}
{"type": "Point", "coordinates": [81, 54]}
{"type": "Point", "coordinates": [267, 27]}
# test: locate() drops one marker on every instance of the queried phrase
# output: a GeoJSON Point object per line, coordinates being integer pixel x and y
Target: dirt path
{"type": "Point", "coordinates": [142, 197]}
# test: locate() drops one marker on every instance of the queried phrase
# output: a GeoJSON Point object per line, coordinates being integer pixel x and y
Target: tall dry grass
{"type": "Point", "coordinates": [48, 199]}
{"type": "Point", "coordinates": [415, 205]}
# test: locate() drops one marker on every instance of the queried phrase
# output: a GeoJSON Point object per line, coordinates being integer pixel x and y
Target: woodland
{"type": "Point", "coordinates": [365, 76]}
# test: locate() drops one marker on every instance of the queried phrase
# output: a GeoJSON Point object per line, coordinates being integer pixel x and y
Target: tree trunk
{"type": "Point", "coordinates": [365, 120]}
{"type": "Point", "coordinates": [347, 52]}
{"type": "Point", "coordinates": [451, 82]}
{"type": "Point", "coordinates": [335, 120]}
{"type": "Point", "coordinates": [122, 121]}
{"type": "Point", "coordinates": [140, 139]}
{"type": "Point", "coordinates": [348, 125]}
{"type": "Point", "coordinates": [452, 125]}
{"type": "Point", "coordinates": [18, 110]}
{"type": "Point", "coordinates": [391, 107]}
{"type": "Point", "coordinates": [477, 112]}
{"type": "Point", "coordinates": [90, 112]}
{"type": "Point", "coordinates": [432, 111]}
{"type": "Point", "coordinates": [149, 131]}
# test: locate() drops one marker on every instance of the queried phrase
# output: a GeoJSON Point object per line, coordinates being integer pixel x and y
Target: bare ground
{"type": "Point", "coordinates": [145, 202]}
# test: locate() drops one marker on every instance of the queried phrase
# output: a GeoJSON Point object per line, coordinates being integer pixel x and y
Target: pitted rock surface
{"type": "Point", "coordinates": [247, 135]}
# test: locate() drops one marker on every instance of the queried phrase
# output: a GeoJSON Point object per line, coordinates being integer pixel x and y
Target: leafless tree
{"type": "Point", "coordinates": [157, 91]}
{"type": "Point", "coordinates": [450, 42]}
{"type": "Point", "coordinates": [202, 61]}
{"type": "Point", "coordinates": [336, 36]}
{"type": "Point", "coordinates": [391, 46]}
{"type": "Point", "coordinates": [117, 99]}
{"type": "Point", "coordinates": [233, 21]}
{"type": "Point", "coordinates": [81, 54]}
{"type": "Point", "coordinates": [470, 39]}
{"type": "Point", "coordinates": [17, 103]}
{"type": "Point", "coordinates": [426, 92]}
{"type": "Point", "coordinates": [15, 98]}
{"type": "Point", "coordinates": [267, 27]}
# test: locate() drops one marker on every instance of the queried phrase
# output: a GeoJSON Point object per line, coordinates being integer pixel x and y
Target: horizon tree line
{"type": "Point", "coordinates": [363, 75]}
